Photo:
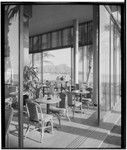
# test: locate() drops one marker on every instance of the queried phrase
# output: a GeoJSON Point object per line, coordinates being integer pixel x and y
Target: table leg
{"type": "Point", "coordinates": [80, 97]}
{"type": "Point", "coordinates": [47, 108]}
{"type": "Point", "coordinates": [43, 91]}
{"type": "Point", "coordinates": [81, 101]}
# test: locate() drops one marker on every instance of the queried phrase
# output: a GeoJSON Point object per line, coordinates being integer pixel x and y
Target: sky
{"type": "Point", "coordinates": [61, 56]}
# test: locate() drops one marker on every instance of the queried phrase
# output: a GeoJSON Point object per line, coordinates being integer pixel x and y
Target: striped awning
{"type": "Point", "coordinates": [61, 38]}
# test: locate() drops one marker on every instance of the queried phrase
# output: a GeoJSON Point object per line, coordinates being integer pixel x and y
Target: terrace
{"type": "Point", "coordinates": [58, 65]}
{"type": "Point", "coordinates": [77, 133]}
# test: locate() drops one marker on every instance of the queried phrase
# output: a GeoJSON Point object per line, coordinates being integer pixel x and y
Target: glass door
{"type": "Point", "coordinates": [104, 65]}
{"type": "Point", "coordinates": [109, 62]}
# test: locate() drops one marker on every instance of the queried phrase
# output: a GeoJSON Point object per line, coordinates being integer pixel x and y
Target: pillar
{"type": "Point", "coordinates": [96, 59]}
{"type": "Point", "coordinates": [76, 45]}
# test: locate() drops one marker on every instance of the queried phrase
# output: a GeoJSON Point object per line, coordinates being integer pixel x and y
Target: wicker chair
{"type": "Point", "coordinates": [62, 109]}
{"type": "Point", "coordinates": [73, 104]}
{"type": "Point", "coordinates": [88, 98]}
{"type": "Point", "coordinates": [36, 117]}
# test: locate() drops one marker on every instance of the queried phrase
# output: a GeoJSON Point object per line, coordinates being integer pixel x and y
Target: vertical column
{"type": "Point", "coordinates": [26, 40]}
{"type": "Point", "coordinates": [27, 14]}
{"type": "Point", "coordinates": [83, 73]}
{"type": "Point", "coordinates": [42, 67]}
{"type": "Point", "coordinates": [76, 45]}
{"type": "Point", "coordinates": [85, 69]}
{"type": "Point", "coordinates": [22, 43]}
{"type": "Point", "coordinates": [114, 65]}
{"type": "Point", "coordinates": [21, 60]}
{"type": "Point", "coordinates": [96, 58]}
{"type": "Point", "coordinates": [72, 67]}
{"type": "Point", "coordinates": [110, 54]}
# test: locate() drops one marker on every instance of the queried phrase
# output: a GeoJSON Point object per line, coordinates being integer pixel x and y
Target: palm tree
{"type": "Point", "coordinates": [47, 55]}
{"type": "Point", "coordinates": [90, 62]}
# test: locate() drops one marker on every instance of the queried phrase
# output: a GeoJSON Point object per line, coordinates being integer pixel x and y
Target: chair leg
{"type": "Point", "coordinates": [73, 109]}
{"type": "Point", "coordinates": [27, 130]}
{"type": "Point", "coordinates": [67, 115]}
{"type": "Point", "coordinates": [59, 119]}
{"type": "Point", "coordinates": [52, 125]}
{"type": "Point", "coordinates": [81, 109]}
{"type": "Point", "coordinates": [42, 131]}
{"type": "Point", "coordinates": [88, 105]}
{"type": "Point", "coordinates": [42, 134]}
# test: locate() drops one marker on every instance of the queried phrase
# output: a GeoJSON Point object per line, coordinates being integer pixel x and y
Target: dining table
{"type": "Point", "coordinates": [15, 93]}
{"type": "Point", "coordinates": [48, 101]}
{"type": "Point", "coordinates": [80, 92]}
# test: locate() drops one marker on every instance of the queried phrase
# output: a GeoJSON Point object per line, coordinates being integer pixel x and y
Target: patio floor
{"type": "Point", "coordinates": [80, 132]}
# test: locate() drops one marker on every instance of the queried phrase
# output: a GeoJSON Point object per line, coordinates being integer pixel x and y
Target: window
{"type": "Point", "coordinates": [86, 65]}
{"type": "Point", "coordinates": [110, 62]}
{"type": "Point", "coordinates": [37, 63]}
{"type": "Point", "coordinates": [104, 59]}
{"type": "Point", "coordinates": [57, 65]}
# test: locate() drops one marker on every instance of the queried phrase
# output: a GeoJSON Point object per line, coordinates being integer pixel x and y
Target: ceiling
{"type": "Point", "coordinates": [51, 17]}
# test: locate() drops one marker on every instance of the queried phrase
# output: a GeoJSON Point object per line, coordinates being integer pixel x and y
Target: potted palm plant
{"type": "Point", "coordinates": [31, 81]}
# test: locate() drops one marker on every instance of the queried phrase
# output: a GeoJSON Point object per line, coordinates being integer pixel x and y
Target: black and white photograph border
{"type": "Point", "coordinates": [63, 74]}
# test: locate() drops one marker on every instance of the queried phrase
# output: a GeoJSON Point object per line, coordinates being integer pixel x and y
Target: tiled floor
{"type": "Point", "coordinates": [114, 138]}
{"type": "Point", "coordinates": [80, 132]}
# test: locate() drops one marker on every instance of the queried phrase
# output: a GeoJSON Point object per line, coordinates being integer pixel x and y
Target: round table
{"type": "Point", "coordinates": [16, 93]}
{"type": "Point", "coordinates": [80, 93]}
{"type": "Point", "coordinates": [48, 102]}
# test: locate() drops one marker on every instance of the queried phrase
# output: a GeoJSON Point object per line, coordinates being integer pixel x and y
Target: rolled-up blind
{"type": "Point", "coordinates": [61, 38]}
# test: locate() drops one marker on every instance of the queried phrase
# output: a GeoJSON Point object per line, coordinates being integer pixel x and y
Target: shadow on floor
{"type": "Point", "coordinates": [116, 129]}
{"type": "Point", "coordinates": [86, 133]}
{"type": "Point", "coordinates": [76, 131]}
{"type": "Point", "coordinates": [114, 111]}
{"type": "Point", "coordinates": [83, 132]}
{"type": "Point", "coordinates": [113, 140]}
{"type": "Point", "coordinates": [92, 121]}
{"type": "Point", "coordinates": [80, 131]}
